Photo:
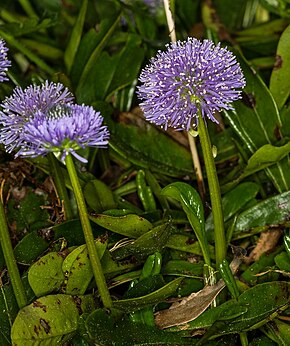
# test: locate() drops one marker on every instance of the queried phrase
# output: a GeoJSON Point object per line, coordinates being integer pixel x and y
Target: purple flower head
{"type": "Point", "coordinates": [63, 129]}
{"type": "Point", "coordinates": [24, 104]}
{"type": "Point", "coordinates": [189, 75]}
{"type": "Point", "coordinates": [4, 62]}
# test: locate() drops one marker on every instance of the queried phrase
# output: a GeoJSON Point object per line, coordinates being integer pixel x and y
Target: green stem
{"type": "Point", "coordinates": [214, 190]}
{"type": "Point", "coordinates": [87, 230]}
{"type": "Point", "coordinates": [10, 261]}
{"type": "Point", "coordinates": [28, 8]}
{"type": "Point", "coordinates": [55, 171]}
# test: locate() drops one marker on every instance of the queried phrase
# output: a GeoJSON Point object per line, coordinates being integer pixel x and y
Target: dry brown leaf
{"type": "Point", "coordinates": [266, 243]}
{"type": "Point", "coordinates": [189, 308]}
{"type": "Point", "coordinates": [192, 306]}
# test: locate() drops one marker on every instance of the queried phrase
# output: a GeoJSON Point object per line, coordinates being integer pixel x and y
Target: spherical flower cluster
{"type": "Point", "coordinates": [42, 119]}
{"type": "Point", "coordinates": [63, 129]}
{"type": "Point", "coordinates": [189, 76]}
{"type": "Point", "coordinates": [22, 106]}
{"type": "Point", "coordinates": [4, 62]}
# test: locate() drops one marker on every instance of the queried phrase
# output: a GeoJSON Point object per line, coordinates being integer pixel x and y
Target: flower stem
{"type": "Point", "coordinates": [59, 182]}
{"type": "Point", "coordinates": [10, 261]}
{"type": "Point", "coordinates": [87, 230]}
{"type": "Point", "coordinates": [214, 190]}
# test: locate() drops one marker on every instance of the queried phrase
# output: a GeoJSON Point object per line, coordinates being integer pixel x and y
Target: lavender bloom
{"type": "Point", "coordinates": [63, 129]}
{"type": "Point", "coordinates": [4, 62]}
{"type": "Point", "coordinates": [189, 75]}
{"type": "Point", "coordinates": [22, 106]}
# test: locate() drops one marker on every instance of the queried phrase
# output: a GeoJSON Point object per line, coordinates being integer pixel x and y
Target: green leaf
{"type": "Point", "coordinates": [255, 307]}
{"type": "Point", "coordinates": [153, 298]}
{"type": "Point", "coordinates": [263, 302]}
{"type": "Point", "coordinates": [75, 37]}
{"type": "Point", "coordinates": [49, 320]}
{"type": "Point", "coordinates": [148, 243]}
{"type": "Point", "coordinates": [192, 205]}
{"type": "Point", "coordinates": [99, 196]}
{"type": "Point", "coordinates": [280, 77]}
{"type": "Point", "coordinates": [146, 146]}
{"type": "Point", "coordinates": [31, 246]}
{"type": "Point", "coordinates": [105, 330]}
{"type": "Point", "coordinates": [272, 211]}
{"type": "Point", "coordinates": [278, 331]}
{"type": "Point", "coordinates": [252, 123]}
{"type": "Point", "coordinates": [264, 157]}
{"type": "Point", "coordinates": [27, 213]}
{"type": "Point", "coordinates": [282, 261]}
{"type": "Point", "coordinates": [234, 200]}
{"type": "Point", "coordinates": [78, 270]}
{"type": "Point", "coordinates": [112, 72]}
{"type": "Point", "coordinates": [130, 225]}
{"type": "Point", "coordinates": [46, 275]}
{"type": "Point", "coordinates": [8, 312]}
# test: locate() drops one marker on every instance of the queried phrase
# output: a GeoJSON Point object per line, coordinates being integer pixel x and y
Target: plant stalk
{"type": "Point", "coordinates": [10, 260]}
{"type": "Point", "coordinates": [214, 190]}
{"type": "Point", "coordinates": [88, 234]}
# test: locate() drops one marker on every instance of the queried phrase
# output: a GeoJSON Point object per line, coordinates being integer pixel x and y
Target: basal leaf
{"type": "Point", "coordinates": [130, 225]}
{"type": "Point", "coordinates": [146, 146]}
{"type": "Point", "coordinates": [153, 298]}
{"type": "Point", "coordinates": [46, 275]}
{"type": "Point", "coordinates": [99, 196]}
{"type": "Point", "coordinates": [272, 211]}
{"type": "Point", "coordinates": [75, 37]}
{"type": "Point", "coordinates": [280, 77]}
{"type": "Point", "coordinates": [49, 320]}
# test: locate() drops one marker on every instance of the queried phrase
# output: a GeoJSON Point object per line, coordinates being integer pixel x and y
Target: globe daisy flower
{"type": "Point", "coordinates": [4, 62]}
{"type": "Point", "coordinates": [188, 76]}
{"type": "Point", "coordinates": [63, 129]}
{"type": "Point", "coordinates": [22, 105]}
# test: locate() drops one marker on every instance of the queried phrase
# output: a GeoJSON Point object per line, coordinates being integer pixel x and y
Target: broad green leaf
{"type": "Point", "coordinates": [75, 37]}
{"type": "Point", "coordinates": [264, 157]}
{"type": "Point", "coordinates": [278, 331]}
{"type": "Point", "coordinates": [148, 243]}
{"type": "Point", "coordinates": [46, 275]}
{"type": "Point", "coordinates": [103, 329]}
{"type": "Point", "coordinates": [185, 243]}
{"type": "Point", "coordinates": [262, 302]}
{"type": "Point", "coordinates": [130, 225]}
{"type": "Point", "coordinates": [32, 246]}
{"type": "Point", "coordinates": [27, 212]}
{"type": "Point", "coordinates": [99, 196]}
{"type": "Point", "coordinates": [49, 320]}
{"type": "Point", "coordinates": [71, 231]}
{"type": "Point", "coordinates": [264, 263]}
{"type": "Point", "coordinates": [183, 268]}
{"type": "Point", "coordinates": [252, 123]}
{"type": "Point", "coordinates": [78, 270]}
{"type": "Point", "coordinates": [153, 298]}
{"type": "Point", "coordinates": [146, 146]}
{"type": "Point", "coordinates": [112, 72]}
{"type": "Point", "coordinates": [280, 77]}
{"type": "Point", "coordinates": [90, 48]}
{"type": "Point", "coordinates": [111, 267]}
{"type": "Point", "coordinates": [255, 307]}
{"type": "Point", "coordinates": [272, 211]}
{"type": "Point", "coordinates": [282, 261]}
{"type": "Point", "coordinates": [192, 205]}
{"type": "Point", "coordinates": [234, 200]}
